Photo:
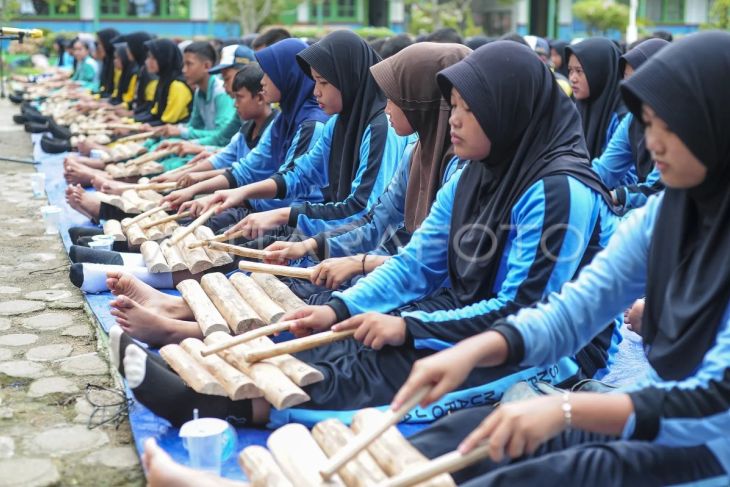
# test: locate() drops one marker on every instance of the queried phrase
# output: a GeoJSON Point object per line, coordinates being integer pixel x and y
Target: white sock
{"type": "Point", "coordinates": [115, 334]}
{"type": "Point", "coordinates": [91, 278]}
{"type": "Point", "coordinates": [135, 365]}
{"type": "Point", "coordinates": [131, 259]}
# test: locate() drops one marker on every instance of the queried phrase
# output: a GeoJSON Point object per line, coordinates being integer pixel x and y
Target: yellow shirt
{"type": "Point", "coordinates": [178, 103]}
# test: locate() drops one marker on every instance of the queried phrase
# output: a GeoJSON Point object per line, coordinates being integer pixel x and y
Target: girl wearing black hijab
{"type": "Point", "coordinates": [626, 165]}
{"type": "Point", "coordinates": [125, 88]}
{"type": "Point", "coordinates": [671, 427]}
{"type": "Point", "coordinates": [146, 82]}
{"type": "Point", "coordinates": [105, 55]}
{"type": "Point", "coordinates": [173, 96]}
{"type": "Point", "coordinates": [593, 71]}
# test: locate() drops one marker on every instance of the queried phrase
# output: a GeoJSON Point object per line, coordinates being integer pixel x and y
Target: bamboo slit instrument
{"type": "Point", "coordinates": [278, 270]}
{"type": "Point", "coordinates": [149, 157]}
{"type": "Point", "coordinates": [145, 214]}
{"type": "Point", "coordinates": [231, 249]}
{"type": "Point", "coordinates": [167, 219]}
{"type": "Point", "coordinates": [446, 463]}
{"type": "Point", "coordinates": [247, 337]}
{"type": "Point", "coordinates": [361, 441]}
{"type": "Point", "coordinates": [175, 239]}
{"type": "Point", "coordinates": [298, 345]}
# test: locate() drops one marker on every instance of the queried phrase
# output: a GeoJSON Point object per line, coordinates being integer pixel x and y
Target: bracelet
{"type": "Point", "coordinates": [567, 410]}
{"type": "Point", "coordinates": [364, 256]}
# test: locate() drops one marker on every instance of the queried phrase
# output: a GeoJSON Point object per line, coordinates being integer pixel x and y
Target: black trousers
{"type": "Point", "coordinates": [572, 458]}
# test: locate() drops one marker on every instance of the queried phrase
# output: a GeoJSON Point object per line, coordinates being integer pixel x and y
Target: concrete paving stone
{"type": "Point", "coordinates": [6, 413]}
{"type": "Point", "coordinates": [85, 365]}
{"type": "Point", "coordinates": [18, 339]}
{"type": "Point", "coordinates": [4, 324]}
{"type": "Point", "coordinates": [66, 439]}
{"type": "Point", "coordinates": [52, 320]}
{"type": "Point", "coordinates": [23, 369]}
{"type": "Point", "coordinates": [52, 385]}
{"type": "Point", "coordinates": [7, 447]}
{"type": "Point", "coordinates": [28, 472]}
{"type": "Point", "coordinates": [17, 221]}
{"type": "Point", "coordinates": [66, 304]}
{"type": "Point", "coordinates": [47, 353]}
{"type": "Point", "coordinates": [48, 295]}
{"type": "Point", "coordinates": [31, 266]}
{"type": "Point", "coordinates": [19, 307]}
{"type": "Point", "coordinates": [115, 457]}
{"type": "Point", "coordinates": [77, 331]}
{"type": "Point", "coordinates": [39, 257]}
{"type": "Point", "coordinates": [9, 290]}
{"type": "Point", "coordinates": [5, 354]}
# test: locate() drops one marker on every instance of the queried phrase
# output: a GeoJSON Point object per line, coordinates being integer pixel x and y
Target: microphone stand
{"type": "Point", "coordinates": [14, 37]}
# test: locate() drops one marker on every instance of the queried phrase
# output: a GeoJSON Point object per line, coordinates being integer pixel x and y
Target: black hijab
{"type": "Point", "coordinates": [635, 58]}
{"type": "Point", "coordinates": [688, 281]}
{"type": "Point", "coordinates": [61, 45]}
{"type": "Point", "coordinates": [559, 47]}
{"type": "Point", "coordinates": [344, 59]}
{"type": "Point", "coordinates": [600, 60]}
{"type": "Point", "coordinates": [106, 75]}
{"type": "Point", "coordinates": [535, 132]}
{"type": "Point", "coordinates": [129, 69]}
{"type": "Point", "coordinates": [170, 61]}
{"type": "Point", "coordinates": [136, 45]}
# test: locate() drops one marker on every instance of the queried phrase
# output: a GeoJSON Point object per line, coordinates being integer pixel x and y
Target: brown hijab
{"type": "Point", "coordinates": [408, 79]}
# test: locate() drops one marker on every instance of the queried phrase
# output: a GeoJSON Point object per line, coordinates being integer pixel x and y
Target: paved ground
{"type": "Point", "coordinates": [49, 351]}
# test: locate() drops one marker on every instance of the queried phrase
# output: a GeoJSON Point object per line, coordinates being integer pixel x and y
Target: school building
{"type": "Point", "coordinates": [554, 18]}
{"type": "Point", "coordinates": [187, 18]}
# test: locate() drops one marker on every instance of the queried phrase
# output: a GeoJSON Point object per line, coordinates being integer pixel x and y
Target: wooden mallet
{"type": "Point", "coordinates": [145, 214]}
{"type": "Point", "coordinates": [231, 249]}
{"type": "Point", "coordinates": [247, 337]}
{"type": "Point", "coordinates": [167, 219]}
{"type": "Point", "coordinates": [361, 441]}
{"type": "Point", "coordinates": [297, 345]}
{"type": "Point", "coordinates": [195, 224]}
{"type": "Point", "coordinates": [277, 270]}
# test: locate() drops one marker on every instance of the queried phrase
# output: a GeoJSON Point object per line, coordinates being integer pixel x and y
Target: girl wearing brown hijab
{"type": "Point", "coordinates": [415, 106]}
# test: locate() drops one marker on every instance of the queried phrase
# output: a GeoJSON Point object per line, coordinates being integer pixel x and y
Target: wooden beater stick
{"type": "Point", "coordinates": [130, 138]}
{"type": "Point", "coordinates": [145, 214]}
{"type": "Point", "coordinates": [297, 345]}
{"type": "Point", "coordinates": [361, 441]}
{"type": "Point", "coordinates": [195, 224]}
{"type": "Point", "coordinates": [167, 219]}
{"type": "Point", "coordinates": [446, 463]}
{"type": "Point", "coordinates": [231, 249]}
{"type": "Point", "coordinates": [247, 337]}
{"type": "Point", "coordinates": [278, 270]}
{"type": "Point", "coordinates": [155, 186]}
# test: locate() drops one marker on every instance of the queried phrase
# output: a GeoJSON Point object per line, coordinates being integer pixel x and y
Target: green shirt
{"type": "Point", "coordinates": [212, 111]}
{"type": "Point", "coordinates": [87, 73]}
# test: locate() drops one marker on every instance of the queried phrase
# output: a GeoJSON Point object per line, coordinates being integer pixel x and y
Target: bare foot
{"type": "Point", "coordinates": [110, 186]}
{"type": "Point", "coordinates": [83, 202]}
{"type": "Point", "coordinates": [164, 471]}
{"type": "Point", "coordinates": [148, 326]}
{"type": "Point", "coordinates": [162, 304]}
{"type": "Point", "coordinates": [77, 173]}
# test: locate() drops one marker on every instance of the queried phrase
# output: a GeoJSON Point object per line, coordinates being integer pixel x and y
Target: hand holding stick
{"type": "Point", "coordinates": [278, 270]}
{"type": "Point", "coordinates": [247, 337]}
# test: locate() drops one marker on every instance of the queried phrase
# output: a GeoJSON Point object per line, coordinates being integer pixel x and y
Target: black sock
{"type": "Point", "coordinates": [124, 341]}
{"type": "Point", "coordinates": [165, 394]}
{"type": "Point", "coordinates": [77, 232]}
{"type": "Point", "coordinates": [81, 254]}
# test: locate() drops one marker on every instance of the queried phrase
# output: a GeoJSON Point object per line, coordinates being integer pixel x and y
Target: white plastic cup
{"type": "Point", "coordinates": [209, 441]}
{"type": "Point", "coordinates": [38, 184]}
{"type": "Point", "coordinates": [101, 244]}
{"type": "Point", "coordinates": [51, 217]}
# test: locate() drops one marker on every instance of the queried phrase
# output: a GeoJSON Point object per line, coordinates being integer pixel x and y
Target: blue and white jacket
{"type": "Point", "coordinates": [381, 150]}
{"type": "Point", "coordinates": [688, 412]}
{"type": "Point", "coordinates": [240, 145]}
{"type": "Point", "coordinates": [377, 231]}
{"type": "Point", "coordinates": [617, 169]}
{"type": "Point", "coordinates": [259, 165]}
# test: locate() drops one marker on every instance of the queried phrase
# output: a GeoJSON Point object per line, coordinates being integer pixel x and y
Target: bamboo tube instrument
{"type": "Point", "coordinates": [361, 441]}
{"type": "Point", "coordinates": [167, 219]}
{"type": "Point", "coordinates": [278, 270]}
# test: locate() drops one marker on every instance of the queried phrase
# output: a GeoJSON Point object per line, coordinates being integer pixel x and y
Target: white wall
{"type": "Point", "coordinates": [199, 9]}
{"type": "Point", "coordinates": [696, 11]}
{"type": "Point", "coordinates": [86, 9]}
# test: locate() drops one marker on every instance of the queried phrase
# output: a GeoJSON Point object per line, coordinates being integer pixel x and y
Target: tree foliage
{"type": "Point", "coordinates": [720, 15]}
{"type": "Point", "coordinates": [600, 16]}
{"type": "Point", "coordinates": [251, 15]}
{"type": "Point", "coordinates": [427, 17]}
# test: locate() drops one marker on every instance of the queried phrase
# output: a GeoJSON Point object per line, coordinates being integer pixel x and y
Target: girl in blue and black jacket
{"type": "Point", "coordinates": [672, 426]}
{"type": "Point", "coordinates": [413, 107]}
{"type": "Point", "coordinates": [351, 164]}
{"type": "Point", "coordinates": [528, 186]}
{"type": "Point", "coordinates": [626, 165]}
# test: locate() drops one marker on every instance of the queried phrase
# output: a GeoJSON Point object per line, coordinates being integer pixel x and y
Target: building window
{"type": "Point", "coordinates": [165, 9]}
{"type": "Point", "coordinates": [335, 10]}
{"type": "Point", "coordinates": [49, 8]}
{"type": "Point", "coordinates": [671, 11]}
